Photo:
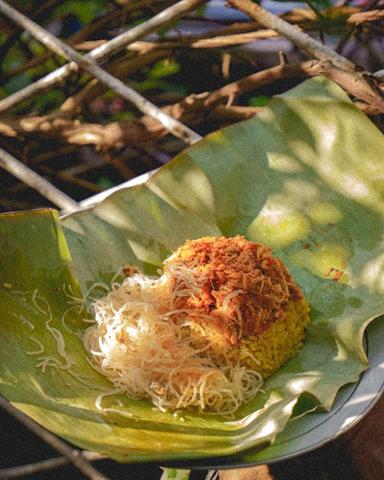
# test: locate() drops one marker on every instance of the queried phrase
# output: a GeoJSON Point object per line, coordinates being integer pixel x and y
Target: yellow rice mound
{"type": "Point", "coordinates": [273, 347]}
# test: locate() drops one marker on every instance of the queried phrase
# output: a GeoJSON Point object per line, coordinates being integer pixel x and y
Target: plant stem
{"type": "Point", "coordinates": [293, 33]}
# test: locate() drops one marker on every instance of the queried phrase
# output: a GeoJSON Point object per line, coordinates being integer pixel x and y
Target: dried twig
{"type": "Point", "coordinates": [11, 204]}
{"type": "Point", "coordinates": [118, 134]}
{"type": "Point", "coordinates": [120, 165]}
{"type": "Point", "coordinates": [192, 110]}
{"type": "Point", "coordinates": [311, 68]}
{"type": "Point", "coordinates": [235, 34]}
{"type": "Point", "coordinates": [43, 466]}
{"type": "Point", "coordinates": [120, 68]}
{"type": "Point", "coordinates": [346, 70]}
{"type": "Point", "coordinates": [90, 66]}
{"type": "Point", "coordinates": [293, 33]}
{"type": "Point", "coordinates": [369, 16]}
{"type": "Point", "coordinates": [106, 21]}
{"type": "Point", "coordinates": [150, 52]}
{"type": "Point", "coordinates": [231, 114]}
{"type": "Point", "coordinates": [191, 42]}
{"type": "Point", "coordinates": [31, 178]}
{"type": "Point", "coordinates": [297, 16]}
{"type": "Point", "coordinates": [72, 179]}
{"type": "Point", "coordinates": [73, 456]}
{"type": "Point", "coordinates": [102, 53]}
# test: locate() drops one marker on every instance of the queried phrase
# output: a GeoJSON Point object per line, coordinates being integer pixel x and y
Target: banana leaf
{"type": "Point", "coordinates": [305, 177]}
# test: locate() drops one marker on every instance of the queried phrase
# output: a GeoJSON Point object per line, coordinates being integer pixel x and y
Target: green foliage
{"type": "Point", "coordinates": [164, 30]}
{"type": "Point", "coordinates": [318, 4]}
{"type": "Point", "coordinates": [259, 101]}
{"type": "Point", "coordinates": [36, 47]}
{"type": "Point", "coordinates": [162, 85]}
{"type": "Point", "coordinates": [49, 100]}
{"type": "Point", "coordinates": [159, 77]}
{"type": "Point", "coordinates": [124, 116]}
{"type": "Point", "coordinates": [17, 83]}
{"type": "Point", "coordinates": [201, 10]}
{"type": "Point", "coordinates": [104, 182]}
{"type": "Point", "coordinates": [164, 68]}
{"type": "Point", "coordinates": [84, 10]}
{"type": "Point", "coordinates": [175, 474]}
{"type": "Point", "coordinates": [26, 4]}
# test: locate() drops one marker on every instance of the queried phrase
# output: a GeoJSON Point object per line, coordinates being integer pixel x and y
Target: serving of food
{"type": "Point", "coordinates": [204, 351]}
{"type": "Point", "coordinates": [223, 316]}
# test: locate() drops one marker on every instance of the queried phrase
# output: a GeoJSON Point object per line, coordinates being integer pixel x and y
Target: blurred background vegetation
{"type": "Point", "coordinates": [96, 139]}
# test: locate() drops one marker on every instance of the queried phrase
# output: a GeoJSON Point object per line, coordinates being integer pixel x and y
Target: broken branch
{"type": "Point", "coordinates": [333, 63]}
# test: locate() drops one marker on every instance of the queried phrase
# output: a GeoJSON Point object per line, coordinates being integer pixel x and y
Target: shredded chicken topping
{"type": "Point", "coordinates": [242, 287]}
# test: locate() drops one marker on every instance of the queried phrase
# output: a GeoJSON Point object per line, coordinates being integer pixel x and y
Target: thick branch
{"type": "Point", "coordinates": [346, 71]}
{"type": "Point", "coordinates": [357, 87]}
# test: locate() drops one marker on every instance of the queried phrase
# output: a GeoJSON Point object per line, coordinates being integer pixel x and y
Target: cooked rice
{"type": "Point", "coordinates": [224, 315]}
{"type": "Point", "coordinates": [273, 347]}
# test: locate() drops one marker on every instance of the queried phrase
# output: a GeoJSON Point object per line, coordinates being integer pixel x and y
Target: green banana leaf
{"type": "Point", "coordinates": [305, 177]}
